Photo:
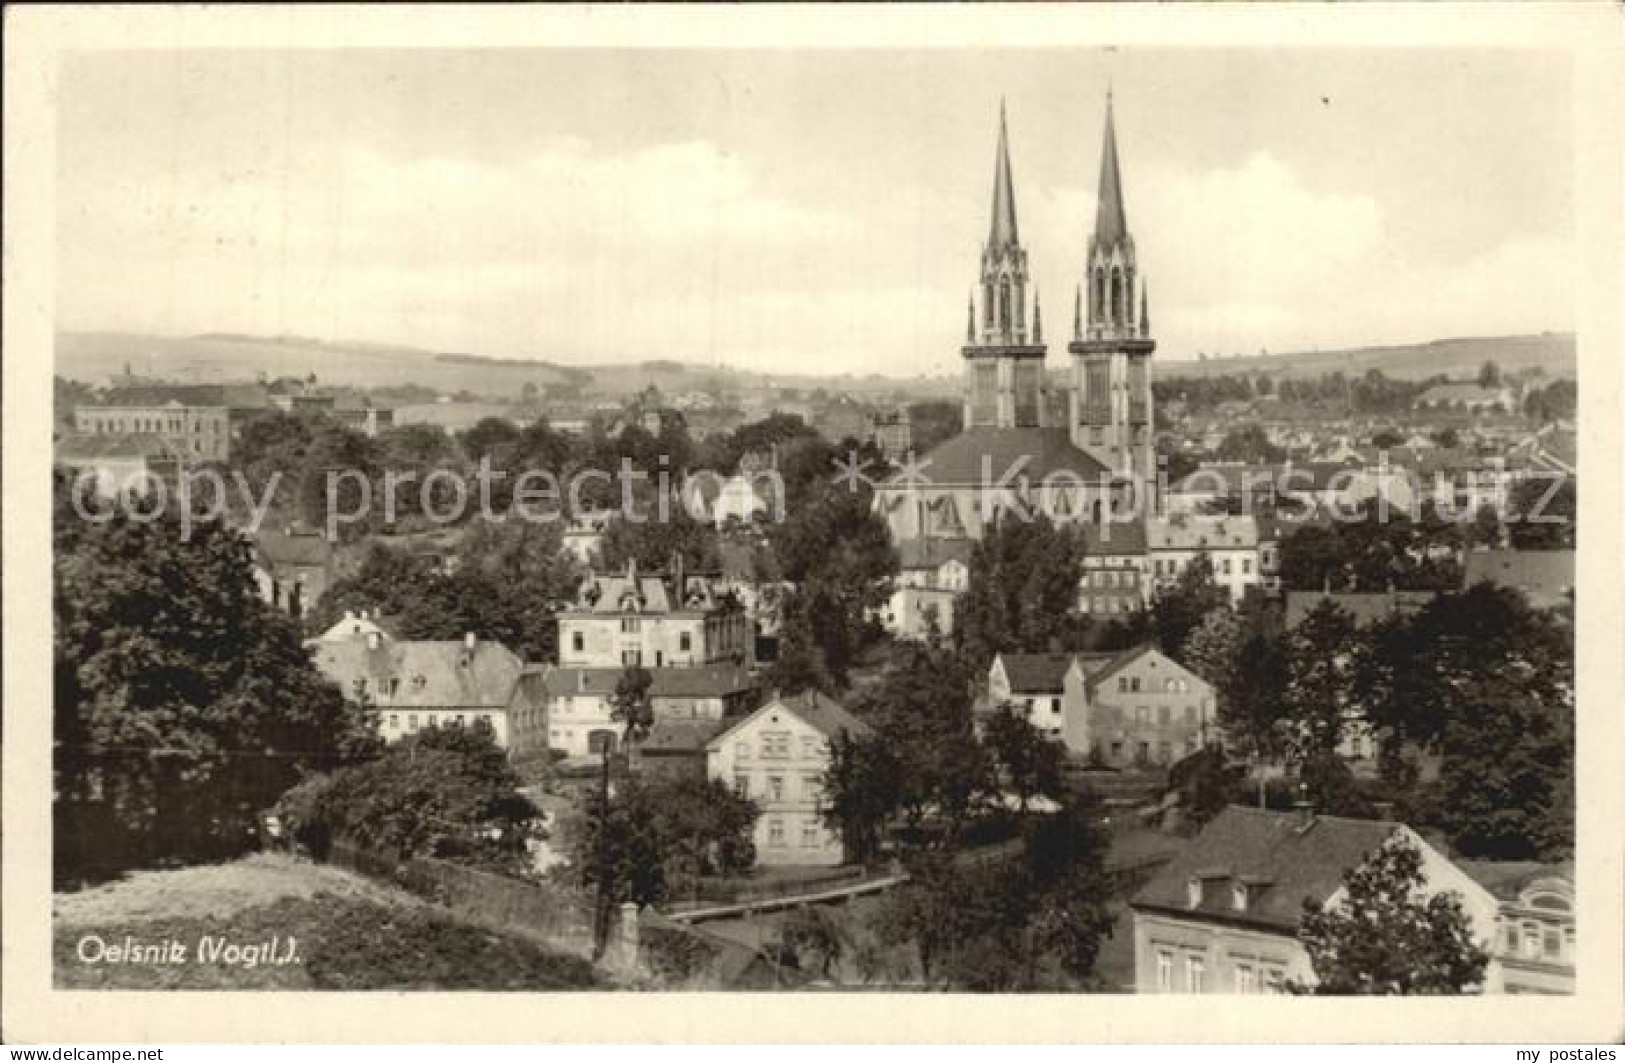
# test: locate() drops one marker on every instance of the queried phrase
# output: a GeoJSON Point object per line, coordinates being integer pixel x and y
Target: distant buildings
{"type": "Point", "coordinates": [1222, 916]}
{"type": "Point", "coordinates": [891, 432]}
{"type": "Point", "coordinates": [1468, 397]}
{"type": "Point", "coordinates": [1365, 607]}
{"type": "Point", "coordinates": [1535, 947]}
{"type": "Point", "coordinates": [777, 756]}
{"type": "Point", "coordinates": [1232, 545]}
{"type": "Point", "coordinates": [580, 703]}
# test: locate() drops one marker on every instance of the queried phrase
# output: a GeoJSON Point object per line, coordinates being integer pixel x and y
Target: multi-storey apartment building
{"type": "Point", "coordinates": [652, 621]}
{"type": "Point", "coordinates": [777, 756]}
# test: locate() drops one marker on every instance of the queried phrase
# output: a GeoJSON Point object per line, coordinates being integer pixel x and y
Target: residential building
{"type": "Point", "coordinates": [199, 421]}
{"type": "Point", "coordinates": [891, 431]}
{"type": "Point", "coordinates": [675, 749]}
{"type": "Point", "coordinates": [1035, 685]}
{"type": "Point", "coordinates": [737, 499]}
{"type": "Point", "coordinates": [932, 574]}
{"type": "Point", "coordinates": [584, 535]}
{"type": "Point", "coordinates": [777, 756]}
{"type": "Point", "coordinates": [580, 702]}
{"type": "Point", "coordinates": [1535, 946]}
{"type": "Point", "coordinates": [1138, 708]}
{"type": "Point", "coordinates": [1222, 915]}
{"type": "Point", "coordinates": [411, 684]}
{"type": "Point", "coordinates": [1545, 577]}
{"type": "Point", "coordinates": [1231, 545]}
{"type": "Point", "coordinates": [292, 568]}
{"type": "Point", "coordinates": [653, 621]}
{"type": "Point", "coordinates": [115, 465]}
{"type": "Point", "coordinates": [1116, 576]}
{"type": "Point", "coordinates": [1011, 455]}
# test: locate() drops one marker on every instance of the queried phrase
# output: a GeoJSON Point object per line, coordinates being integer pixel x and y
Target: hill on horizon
{"type": "Point", "coordinates": [96, 357]}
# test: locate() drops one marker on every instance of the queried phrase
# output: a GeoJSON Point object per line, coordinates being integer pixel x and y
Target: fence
{"type": "Point", "coordinates": [565, 921]}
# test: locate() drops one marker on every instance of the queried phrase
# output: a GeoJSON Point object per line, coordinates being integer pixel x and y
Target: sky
{"type": "Point", "coordinates": [805, 211]}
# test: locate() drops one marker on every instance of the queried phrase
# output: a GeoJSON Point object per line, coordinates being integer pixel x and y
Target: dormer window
{"type": "Point", "coordinates": [1193, 892]}
{"type": "Point", "coordinates": [1238, 896]}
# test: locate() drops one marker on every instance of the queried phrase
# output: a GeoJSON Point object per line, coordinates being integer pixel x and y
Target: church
{"type": "Point", "coordinates": [1097, 465]}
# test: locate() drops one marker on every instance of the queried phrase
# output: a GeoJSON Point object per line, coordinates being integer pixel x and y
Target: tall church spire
{"type": "Point", "coordinates": [1002, 232]}
{"type": "Point", "coordinates": [1110, 224]}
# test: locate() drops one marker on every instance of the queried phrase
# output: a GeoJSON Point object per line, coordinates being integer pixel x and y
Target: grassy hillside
{"type": "Point", "coordinates": [334, 930]}
{"type": "Point", "coordinates": [93, 357]}
{"type": "Point", "coordinates": [1460, 358]}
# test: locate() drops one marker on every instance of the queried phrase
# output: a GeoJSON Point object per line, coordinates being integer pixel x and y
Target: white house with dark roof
{"type": "Point", "coordinates": [932, 574]}
{"type": "Point", "coordinates": [777, 757]}
{"type": "Point", "coordinates": [292, 568]}
{"type": "Point", "coordinates": [1222, 915]}
{"type": "Point", "coordinates": [654, 621]}
{"type": "Point", "coordinates": [410, 684]}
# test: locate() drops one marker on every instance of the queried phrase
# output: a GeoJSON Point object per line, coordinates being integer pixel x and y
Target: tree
{"type": "Point", "coordinates": [1248, 444]}
{"type": "Point", "coordinates": [1317, 701]}
{"type": "Point", "coordinates": [443, 791]}
{"type": "Point", "coordinates": [705, 827]}
{"type": "Point", "coordinates": [1544, 515]}
{"type": "Point", "coordinates": [1387, 439]}
{"type": "Point", "coordinates": [1489, 375]}
{"type": "Point", "coordinates": [183, 704]}
{"type": "Point", "coordinates": [1023, 591]}
{"type": "Point", "coordinates": [1386, 938]}
{"type": "Point", "coordinates": [861, 793]}
{"type": "Point", "coordinates": [1179, 610]}
{"type": "Point", "coordinates": [630, 705]}
{"type": "Point", "coordinates": [488, 437]}
{"type": "Point", "coordinates": [1034, 921]}
{"type": "Point", "coordinates": [1028, 763]}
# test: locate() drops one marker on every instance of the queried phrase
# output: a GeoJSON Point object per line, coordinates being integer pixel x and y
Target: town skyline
{"type": "Point", "coordinates": [450, 242]}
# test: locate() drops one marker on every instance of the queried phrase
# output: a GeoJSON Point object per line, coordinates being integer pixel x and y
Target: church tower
{"type": "Point", "coordinates": [1109, 413]}
{"type": "Point", "coordinates": [1004, 358]}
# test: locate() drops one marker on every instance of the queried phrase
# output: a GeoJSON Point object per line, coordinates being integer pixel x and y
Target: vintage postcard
{"type": "Point", "coordinates": [980, 525]}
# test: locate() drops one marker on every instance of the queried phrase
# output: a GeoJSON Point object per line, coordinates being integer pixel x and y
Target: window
{"type": "Point", "coordinates": [1134, 684]}
{"type": "Point", "coordinates": [775, 787]}
{"type": "Point", "coordinates": [578, 642]}
{"type": "Point", "coordinates": [741, 750]}
{"type": "Point", "coordinates": [1195, 971]}
{"type": "Point", "coordinates": [630, 625]}
{"type": "Point", "coordinates": [359, 687]}
{"type": "Point", "coordinates": [1272, 980]}
{"type": "Point", "coordinates": [1165, 971]}
{"type": "Point", "coordinates": [1055, 706]}
{"type": "Point", "coordinates": [1246, 566]}
{"type": "Point", "coordinates": [1227, 566]}
{"type": "Point", "coordinates": [394, 721]}
{"type": "Point", "coordinates": [1246, 978]}
{"type": "Point", "coordinates": [1552, 941]}
{"type": "Point", "coordinates": [418, 682]}
{"type": "Point", "coordinates": [741, 784]}
{"type": "Point", "coordinates": [412, 722]}
{"type": "Point", "coordinates": [631, 657]}
{"type": "Point", "coordinates": [685, 642]}
{"type": "Point", "coordinates": [1142, 715]}
{"type": "Point", "coordinates": [775, 833]}
{"type": "Point", "coordinates": [776, 744]}
{"type": "Point", "coordinates": [1162, 715]}
{"type": "Point", "coordinates": [809, 746]}
{"type": "Point", "coordinates": [809, 835]}
{"type": "Point", "coordinates": [1168, 685]}
{"type": "Point", "coordinates": [1122, 684]}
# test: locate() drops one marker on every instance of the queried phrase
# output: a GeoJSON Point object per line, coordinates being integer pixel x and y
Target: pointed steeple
{"type": "Point", "coordinates": [1110, 224]}
{"type": "Point", "coordinates": [1002, 233]}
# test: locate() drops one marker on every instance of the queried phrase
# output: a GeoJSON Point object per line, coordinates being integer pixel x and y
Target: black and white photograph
{"type": "Point", "coordinates": [1069, 518]}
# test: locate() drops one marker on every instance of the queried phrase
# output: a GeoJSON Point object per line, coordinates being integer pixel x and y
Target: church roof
{"type": "Point", "coordinates": [1111, 225]}
{"type": "Point", "coordinates": [1003, 233]}
{"type": "Point", "coordinates": [1034, 452]}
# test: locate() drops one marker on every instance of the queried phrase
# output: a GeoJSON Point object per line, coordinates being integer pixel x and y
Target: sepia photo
{"type": "Point", "coordinates": [1038, 520]}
